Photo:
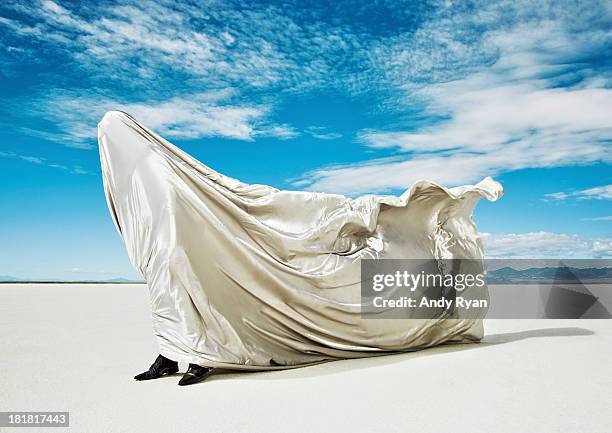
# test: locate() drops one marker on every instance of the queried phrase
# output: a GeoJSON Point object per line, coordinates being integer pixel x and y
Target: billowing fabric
{"type": "Point", "coordinates": [252, 277]}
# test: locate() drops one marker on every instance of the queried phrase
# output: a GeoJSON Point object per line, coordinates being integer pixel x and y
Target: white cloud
{"type": "Point", "coordinates": [556, 196]}
{"type": "Point", "coordinates": [76, 169]}
{"type": "Point", "coordinates": [156, 60]}
{"type": "Point", "coordinates": [321, 133]}
{"type": "Point", "coordinates": [507, 116]}
{"type": "Point", "coordinates": [603, 192]}
{"type": "Point", "coordinates": [386, 173]}
{"type": "Point", "coordinates": [545, 245]}
{"type": "Point", "coordinates": [496, 74]}
{"type": "Point", "coordinates": [255, 45]}
{"type": "Point", "coordinates": [32, 159]}
{"type": "Point", "coordinates": [603, 218]}
{"type": "Point", "coordinates": [211, 114]}
{"type": "Point", "coordinates": [194, 118]}
{"type": "Point", "coordinates": [597, 193]}
{"type": "Point", "coordinates": [282, 132]}
{"type": "Point", "coordinates": [493, 130]}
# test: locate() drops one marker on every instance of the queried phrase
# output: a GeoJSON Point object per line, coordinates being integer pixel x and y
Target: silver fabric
{"type": "Point", "coordinates": [252, 277]}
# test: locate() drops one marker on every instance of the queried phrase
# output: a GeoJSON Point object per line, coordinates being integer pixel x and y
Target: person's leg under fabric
{"type": "Point", "coordinates": [161, 367]}
{"type": "Point", "coordinates": [164, 366]}
{"type": "Point", "coordinates": [194, 374]}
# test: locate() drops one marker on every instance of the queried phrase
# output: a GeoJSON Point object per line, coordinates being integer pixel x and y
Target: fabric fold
{"type": "Point", "coordinates": [251, 277]}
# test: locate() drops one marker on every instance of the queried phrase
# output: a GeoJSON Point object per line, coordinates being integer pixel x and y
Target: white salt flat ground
{"type": "Point", "coordinates": [76, 348]}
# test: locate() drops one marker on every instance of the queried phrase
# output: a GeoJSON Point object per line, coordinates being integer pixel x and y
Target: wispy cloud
{"type": "Point", "coordinates": [514, 98]}
{"type": "Point", "coordinates": [603, 192]}
{"type": "Point", "coordinates": [322, 133]}
{"type": "Point", "coordinates": [545, 245]}
{"type": "Point", "coordinates": [479, 90]}
{"type": "Point", "coordinates": [219, 45]}
{"type": "Point", "coordinates": [603, 218]}
{"type": "Point", "coordinates": [282, 132]}
{"type": "Point", "coordinates": [212, 114]}
{"type": "Point", "coordinates": [200, 116]}
{"type": "Point", "coordinates": [74, 169]}
{"type": "Point", "coordinates": [162, 61]}
{"type": "Point", "coordinates": [151, 32]}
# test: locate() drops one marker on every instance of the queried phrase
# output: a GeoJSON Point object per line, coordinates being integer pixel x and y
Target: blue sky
{"type": "Point", "coordinates": [346, 97]}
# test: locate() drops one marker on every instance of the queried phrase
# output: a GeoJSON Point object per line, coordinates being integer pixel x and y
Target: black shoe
{"type": "Point", "coordinates": [195, 374]}
{"type": "Point", "coordinates": [161, 367]}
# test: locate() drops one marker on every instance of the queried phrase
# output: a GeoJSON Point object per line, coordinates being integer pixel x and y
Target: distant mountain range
{"type": "Point", "coordinates": [547, 275]}
{"type": "Point", "coordinates": [506, 275]}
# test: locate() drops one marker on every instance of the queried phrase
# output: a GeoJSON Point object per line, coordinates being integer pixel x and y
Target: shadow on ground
{"type": "Point", "coordinates": [334, 367]}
